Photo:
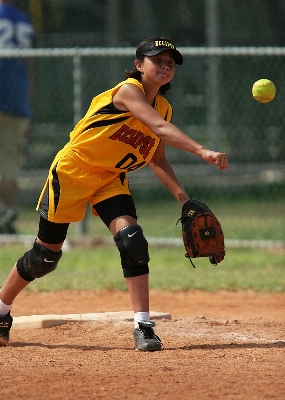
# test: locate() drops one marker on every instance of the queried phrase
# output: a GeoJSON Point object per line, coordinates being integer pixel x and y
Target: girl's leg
{"type": "Point", "coordinates": [137, 285]}
{"type": "Point", "coordinates": [12, 287]}
{"type": "Point", "coordinates": [139, 292]}
{"type": "Point", "coordinates": [37, 262]}
{"type": "Point", "coordinates": [15, 283]}
{"type": "Point", "coordinates": [119, 215]}
{"type": "Point", "coordinates": [33, 264]}
{"type": "Point", "coordinates": [144, 336]}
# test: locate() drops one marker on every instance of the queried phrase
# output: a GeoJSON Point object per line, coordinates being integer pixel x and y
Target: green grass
{"type": "Point", "coordinates": [99, 268]}
{"type": "Point", "coordinates": [248, 219]}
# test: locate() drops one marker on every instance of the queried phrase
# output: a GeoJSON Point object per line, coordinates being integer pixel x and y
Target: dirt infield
{"type": "Point", "coordinates": [225, 345]}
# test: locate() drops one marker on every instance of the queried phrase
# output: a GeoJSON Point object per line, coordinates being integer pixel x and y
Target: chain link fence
{"type": "Point", "coordinates": [212, 102]}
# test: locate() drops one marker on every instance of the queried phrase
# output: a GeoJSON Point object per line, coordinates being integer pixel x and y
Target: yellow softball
{"type": "Point", "coordinates": [263, 90]}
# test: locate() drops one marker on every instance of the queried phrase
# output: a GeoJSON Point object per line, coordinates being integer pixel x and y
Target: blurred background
{"type": "Point", "coordinates": [227, 46]}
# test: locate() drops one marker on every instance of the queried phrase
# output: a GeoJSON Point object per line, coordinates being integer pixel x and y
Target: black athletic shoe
{"type": "Point", "coordinates": [5, 326]}
{"type": "Point", "coordinates": [145, 338]}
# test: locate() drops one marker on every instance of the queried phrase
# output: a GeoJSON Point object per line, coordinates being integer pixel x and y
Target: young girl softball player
{"type": "Point", "coordinates": [125, 128]}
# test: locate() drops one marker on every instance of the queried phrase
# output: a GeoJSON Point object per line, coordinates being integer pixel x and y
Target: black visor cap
{"type": "Point", "coordinates": [154, 46]}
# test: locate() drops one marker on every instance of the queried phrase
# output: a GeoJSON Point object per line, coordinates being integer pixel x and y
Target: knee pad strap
{"type": "Point", "coordinates": [133, 248]}
{"type": "Point", "coordinates": [37, 262]}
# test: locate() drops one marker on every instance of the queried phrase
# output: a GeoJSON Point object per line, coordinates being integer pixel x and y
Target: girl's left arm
{"type": "Point", "coordinates": [166, 175]}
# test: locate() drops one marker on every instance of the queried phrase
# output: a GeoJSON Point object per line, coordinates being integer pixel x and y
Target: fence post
{"type": "Point", "coordinates": [213, 90]}
{"type": "Point", "coordinates": [77, 113]}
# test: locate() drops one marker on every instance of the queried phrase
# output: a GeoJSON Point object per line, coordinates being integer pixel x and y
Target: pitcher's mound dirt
{"type": "Point", "coordinates": [225, 345]}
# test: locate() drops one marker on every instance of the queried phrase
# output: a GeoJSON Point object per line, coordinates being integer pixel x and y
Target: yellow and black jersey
{"type": "Point", "coordinates": [112, 139]}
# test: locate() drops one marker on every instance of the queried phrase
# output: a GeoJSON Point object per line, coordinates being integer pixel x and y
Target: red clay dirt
{"type": "Point", "coordinates": [224, 345]}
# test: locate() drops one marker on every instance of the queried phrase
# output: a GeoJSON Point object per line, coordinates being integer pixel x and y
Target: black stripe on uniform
{"type": "Point", "coordinates": [44, 204]}
{"type": "Point", "coordinates": [98, 124]}
{"type": "Point", "coordinates": [56, 187]}
{"type": "Point", "coordinates": [109, 109]}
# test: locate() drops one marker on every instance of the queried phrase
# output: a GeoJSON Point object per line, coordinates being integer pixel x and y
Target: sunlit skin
{"type": "Point", "coordinates": [160, 67]}
{"type": "Point", "coordinates": [156, 71]}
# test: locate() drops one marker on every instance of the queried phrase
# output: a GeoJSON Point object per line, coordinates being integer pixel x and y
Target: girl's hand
{"type": "Point", "coordinates": [216, 158]}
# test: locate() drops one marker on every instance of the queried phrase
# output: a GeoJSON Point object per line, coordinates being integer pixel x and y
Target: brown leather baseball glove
{"type": "Point", "coordinates": [201, 232]}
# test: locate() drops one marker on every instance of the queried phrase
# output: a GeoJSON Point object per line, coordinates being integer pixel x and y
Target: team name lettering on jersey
{"type": "Point", "coordinates": [135, 139]}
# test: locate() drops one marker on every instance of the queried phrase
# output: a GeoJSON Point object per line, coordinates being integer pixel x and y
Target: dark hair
{"type": "Point", "coordinates": [136, 74]}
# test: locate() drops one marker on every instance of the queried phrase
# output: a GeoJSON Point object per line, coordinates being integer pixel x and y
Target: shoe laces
{"type": "Point", "coordinates": [148, 333]}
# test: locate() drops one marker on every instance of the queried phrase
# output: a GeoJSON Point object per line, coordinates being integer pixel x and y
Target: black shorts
{"type": "Point", "coordinates": [115, 207]}
{"type": "Point", "coordinates": [108, 210]}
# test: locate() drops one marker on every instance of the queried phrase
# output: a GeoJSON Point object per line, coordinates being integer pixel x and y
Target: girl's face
{"type": "Point", "coordinates": [159, 68]}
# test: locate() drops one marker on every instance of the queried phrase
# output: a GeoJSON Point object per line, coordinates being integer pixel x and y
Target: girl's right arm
{"type": "Point", "coordinates": [130, 97]}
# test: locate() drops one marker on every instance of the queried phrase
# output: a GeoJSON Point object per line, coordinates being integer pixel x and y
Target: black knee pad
{"type": "Point", "coordinates": [133, 249]}
{"type": "Point", "coordinates": [37, 262]}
